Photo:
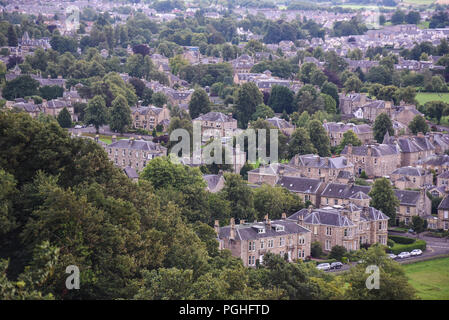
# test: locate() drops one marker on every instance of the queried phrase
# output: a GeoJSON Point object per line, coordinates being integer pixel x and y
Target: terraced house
{"type": "Point", "coordinates": [308, 189]}
{"type": "Point", "coordinates": [148, 118]}
{"type": "Point", "coordinates": [336, 130]}
{"type": "Point", "coordinates": [412, 148]}
{"type": "Point", "coordinates": [411, 178]}
{"type": "Point", "coordinates": [215, 124]}
{"type": "Point", "coordinates": [251, 241]}
{"type": "Point", "coordinates": [443, 214]}
{"type": "Point", "coordinates": [349, 226]}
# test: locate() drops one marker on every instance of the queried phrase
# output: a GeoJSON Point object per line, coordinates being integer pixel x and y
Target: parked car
{"type": "Point", "coordinates": [336, 265]}
{"type": "Point", "coordinates": [392, 256]}
{"type": "Point", "coordinates": [78, 126]}
{"type": "Point", "coordinates": [403, 255]}
{"type": "Point", "coordinates": [416, 252]}
{"type": "Point", "coordinates": [324, 266]}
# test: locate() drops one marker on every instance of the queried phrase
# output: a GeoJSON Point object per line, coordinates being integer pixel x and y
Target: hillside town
{"type": "Point", "coordinates": [311, 135]}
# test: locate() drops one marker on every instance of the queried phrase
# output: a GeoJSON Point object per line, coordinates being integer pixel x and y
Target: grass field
{"type": "Point", "coordinates": [103, 138]}
{"type": "Point", "coordinates": [430, 278]}
{"type": "Point", "coordinates": [424, 97]}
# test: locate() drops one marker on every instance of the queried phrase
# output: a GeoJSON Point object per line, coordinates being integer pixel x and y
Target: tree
{"type": "Point", "coordinates": [248, 97]}
{"type": "Point", "coordinates": [337, 252]}
{"type": "Point", "coordinates": [308, 99]}
{"type": "Point", "coordinates": [64, 118]}
{"type": "Point", "coordinates": [51, 92]}
{"type": "Point", "coordinates": [199, 103]}
{"type": "Point", "coordinates": [384, 199]}
{"type": "Point", "coordinates": [419, 124]}
{"type": "Point", "coordinates": [12, 36]}
{"type": "Point", "coordinates": [96, 112]}
{"type": "Point", "coordinates": [281, 99]}
{"type": "Point", "coordinates": [382, 124]}
{"type": "Point", "coordinates": [275, 201]}
{"type": "Point", "coordinates": [316, 250]}
{"type": "Point", "coordinates": [263, 112]}
{"type": "Point", "coordinates": [300, 143]}
{"type": "Point", "coordinates": [330, 105]}
{"type": "Point", "coordinates": [20, 87]}
{"type": "Point", "coordinates": [353, 84]}
{"type": "Point", "coordinates": [332, 90]}
{"type": "Point", "coordinates": [412, 17]}
{"type": "Point", "coordinates": [241, 197]}
{"type": "Point", "coordinates": [349, 137]}
{"type": "Point", "coordinates": [159, 99]}
{"type": "Point", "coordinates": [319, 138]}
{"type": "Point", "coordinates": [398, 17]}
{"type": "Point", "coordinates": [436, 110]}
{"type": "Point", "coordinates": [393, 283]}
{"type": "Point", "coordinates": [120, 115]}
{"type": "Point", "coordinates": [418, 225]}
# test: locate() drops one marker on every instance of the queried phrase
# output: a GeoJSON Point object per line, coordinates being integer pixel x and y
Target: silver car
{"type": "Point", "coordinates": [324, 266]}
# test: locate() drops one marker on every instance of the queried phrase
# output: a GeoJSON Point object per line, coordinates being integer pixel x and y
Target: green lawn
{"type": "Point", "coordinates": [430, 278]}
{"type": "Point", "coordinates": [103, 138]}
{"type": "Point", "coordinates": [424, 97]}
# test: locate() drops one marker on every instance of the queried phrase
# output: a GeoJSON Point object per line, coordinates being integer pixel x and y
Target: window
{"type": "Point", "coordinates": [446, 215]}
{"type": "Point", "coordinates": [261, 230]}
{"type": "Point", "coordinates": [281, 241]}
{"type": "Point", "coordinates": [347, 232]}
{"type": "Point", "coordinates": [328, 231]}
{"type": "Point", "coordinates": [408, 209]}
{"type": "Point", "coordinates": [380, 225]}
{"type": "Point", "coordinates": [327, 245]}
{"type": "Point", "coordinates": [251, 245]}
{"type": "Point", "coordinates": [262, 244]}
{"type": "Point", "coordinates": [270, 243]}
{"type": "Point", "coordinates": [301, 240]}
{"type": "Point", "coordinates": [335, 201]}
{"type": "Point", "coordinates": [299, 253]}
{"type": "Point", "coordinates": [251, 260]}
{"type": "Point", "coordinates": [315, 230]}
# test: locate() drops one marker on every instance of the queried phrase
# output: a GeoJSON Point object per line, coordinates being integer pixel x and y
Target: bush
{"type": "Point", "coordinates": [390, 243]}
{"type": "Point", "coordinates": [344, 260]}
{"type": "Point", "coordinates": [337, 252]}
{"type": "Point", "coordinates": [326, 261]}
{"type": "Point", "coordinates": [398, 248]}
{"type": "Point", "coordinates": [402, 240]}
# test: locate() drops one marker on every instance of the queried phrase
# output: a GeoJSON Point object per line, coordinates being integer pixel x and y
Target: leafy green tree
{"type": "Point", "coordinates": [382, 124]}
{"type": "Point", "coordinates": [332, 90]}
{"type": "Point", "coordinates": [248, 97]}
{"type": "Point", "coordinates": [436, 110]}
{"type": "Point", "coordinates": [159, 99]}
{"type": "Point", "coordinates": [281, 99]}
{"type": "Point", "coordinates": [384, 199]}
{"type": "Point", "coordinates": [418, 124]}
{"type": "Point", "coordinates": [96, 112]}
{"type": "Point", "coordinates": [349, 137]}
{"type": "Point", "coordinates": [337, 252]}
{"type": "Point", "coordinates": [120, 114]}
{"type": "Point", "coordinates": [199, 103]}
{"type": "Point", "coordinates": [51, 92]}
{"type": "Point", "coordinates": [7, 192]}
{"type": "Point", "coordinates": [319, 138]}
{"type": "Point", "coordinates": [20, 87]}
{"type": "Point", "coordinates": [330, 105]}
{"type": "Point", "coordinates": [398, 17]}
{"type": "Point", "coordinates": [263, 111]}
{"type": "Point", "coordinates": [12, 36]}
{"type": "Point", "coordinates": [237, 192]}
{"type": "Point", "coordinates": [275, 201]}
{"type": "Point", "coordinates": [308, 99]}
{"type": "Point", "coordinates": [300, 143]}
{"type": "Point", "coordinates": [353, 84]}
{"type": "Point", "coordinates": [64, 118]}
{"type": "Point", "coordinates": [393, 285]}
{"type": "Point", "coordinates": [316, 250]}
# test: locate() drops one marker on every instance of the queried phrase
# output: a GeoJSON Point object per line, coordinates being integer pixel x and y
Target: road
{"type": "Point", "coordinates": [435, 247]}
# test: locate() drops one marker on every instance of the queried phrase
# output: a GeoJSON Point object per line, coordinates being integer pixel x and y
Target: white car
{"type": "Point", "coordinates": [392, 256]}
{"type": "Point", "coordinates": [416, 252]}
{"type": "Point", "coordinates": [324, 266]}
{"type": "Point", "coordinates": [78, 126]}
{"type": "Point", "coordinates": [403, 255]}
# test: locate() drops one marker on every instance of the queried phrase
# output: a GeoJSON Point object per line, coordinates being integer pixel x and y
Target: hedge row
{"type": "Point", "coordinates": [402, 240]}
{"type": "Point", "coordinates": [398, 248]}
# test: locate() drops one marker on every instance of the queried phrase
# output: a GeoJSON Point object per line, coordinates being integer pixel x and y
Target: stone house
{"type": "Point", "coordinates": [342, 194]}
{"type": "Point", "coordinates": [443, 180]}
{"type": "Point", "coordinates": [29, 107]}
{"type": "Point", "coordinates": [215, 124]}
{"type": "Point", "coordinates": [348, 226]}
{"type": "Point", "coordinates": [55, 106]}
{"type": "Point", "coordinates": [336, 130]}
{"type": "Point", "coordinates": [251, 241]}
{"type": "Point", "coordinates": [324, 168]}
{"type": "Point", "coordinates": [377, 160]}
{"type": "Point", "coordinates": [307, 189]}
{"type": "Point", "coordinates": [284, 126]}
{"type": "Point", "coordinates": [413, 148]}
{"type": "Point", "coordinates": [412, 203]}
{"type": "Point", "coordinates": [150, 117]}
{"type": "Point", "coordinates": [437, 163]}
{"type": "Point", "coordinates": [215, 182]}
{"type": "Point", "coordinates": [443, 214]}
{"type": "Point", "coordinates": [411, 178]}
{"type": "Point", "coordinates": [133, 153]}
{"type": "Point", "coordinates": [270, 174]}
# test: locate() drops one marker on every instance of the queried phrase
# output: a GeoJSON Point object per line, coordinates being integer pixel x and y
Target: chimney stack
{"type": "Point", "coordinates": [217, 227]}
{"type": "Point", "coordinates": [284, 216]}
{"type": "Point", "coordinates": [301, 220]}
{"type": "Point", "coordinates": [349, 148]}
{"type": "Point", "coordinates": [368, 152]}
{"type": "Point", "coordinates": [232, 231]}
{"type": "Point", "coordinates": [420, 135]}
{"type": "Point", "coordinates": [114, 138]}
{"type": "Point", "coordinates": [310, 208]}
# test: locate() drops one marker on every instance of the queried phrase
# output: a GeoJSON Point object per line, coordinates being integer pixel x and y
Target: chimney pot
{"type": "Point", "coordinates": [284, 216]}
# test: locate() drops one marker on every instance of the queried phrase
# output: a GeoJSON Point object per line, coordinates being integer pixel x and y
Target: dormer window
{"type": "Point", "coordinates": [261, 230]}
{"type": "Point", "coordinates": [279, 228]}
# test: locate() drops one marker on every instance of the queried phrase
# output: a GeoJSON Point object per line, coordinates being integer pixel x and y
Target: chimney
{"type": "Point", "coordinates": [114, 138]}
{"type": "Point", "coordinates": [309, 209]}
{"type": "Point", "coordinates": [131, 140]}
{"type": "Point", "coordinates": [368, 152]}
{"type": "Point", "coordinates": [242, 221]}
{"type": "Point", "coordinates": [267, 221]}
{"type": "Point", "coordinates": [217, 227]}
{"type": "Point", "coordinates": [139, 138]}
{"type": "Point", "coordinates": [232, 231]}
{"type": "Point", "coordinates": [284, 216]}
{"type": "Point", "coordinates": [301, 220]}
{"type": "Point", "coordinates": [420, 135]}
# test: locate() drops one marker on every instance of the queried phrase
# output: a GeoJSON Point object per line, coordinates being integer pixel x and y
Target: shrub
{"type": "Point", "coordinates": [325, 261]}
{"type": "Point", "coordinates": [344, 260]}
{"type": "Point", "coordinates": [398, 248]}
{"type": "Point", "coordinates": [390, 243]}
{"type": "Point", "coordinates": [337, 252]}
{"type": "Point", "coordinates": [316, 250]}
{"type": "Point", "coordinates": [401, 240]}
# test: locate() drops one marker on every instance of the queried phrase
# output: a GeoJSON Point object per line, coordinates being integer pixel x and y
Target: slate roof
{"type": "Point", "coordinates": [248, 231]}
{"type": "Point", "coordinates": [343, 191]}
{"type": "Point", "coordinates": [215, 116]}
{"type": "Point", "coordinates": [274, 169]}
{"type": "Point", "coordinates": [407, 197]}
{"type": "Point", "coordinates": [444, 204]}
{"type": "Point", "coordinates": [376, 150]}
{"type": "Point", "coordinates": [444, 175]}
{"type": "Point", "coordinates": [372, 214]}
{"type": "Point", "coordinates": [410, 171]}
{"type": "Point", "coordinates": [415, 144]}
{"type": "Point", "coordinates": [131, 173]}
{"type": "Point", "coordinates": [335, 127]}
{"type": "Point", "coordinates": [138, 145]}
{"type": "Point", "coordinates": [279, 123]}
{"type": "Point", "coordinates": [299, 184]}
{"type": "Point", "coordinates": [435, 160]}
{"type": "Point", "coordinates": [315, 161]}
{"type": "Point", "coordinates": [326, 216]}
{"type": "Point", "coordinates": [212, 180]}
{"type": "Point", "coordinates": [145, 110]}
